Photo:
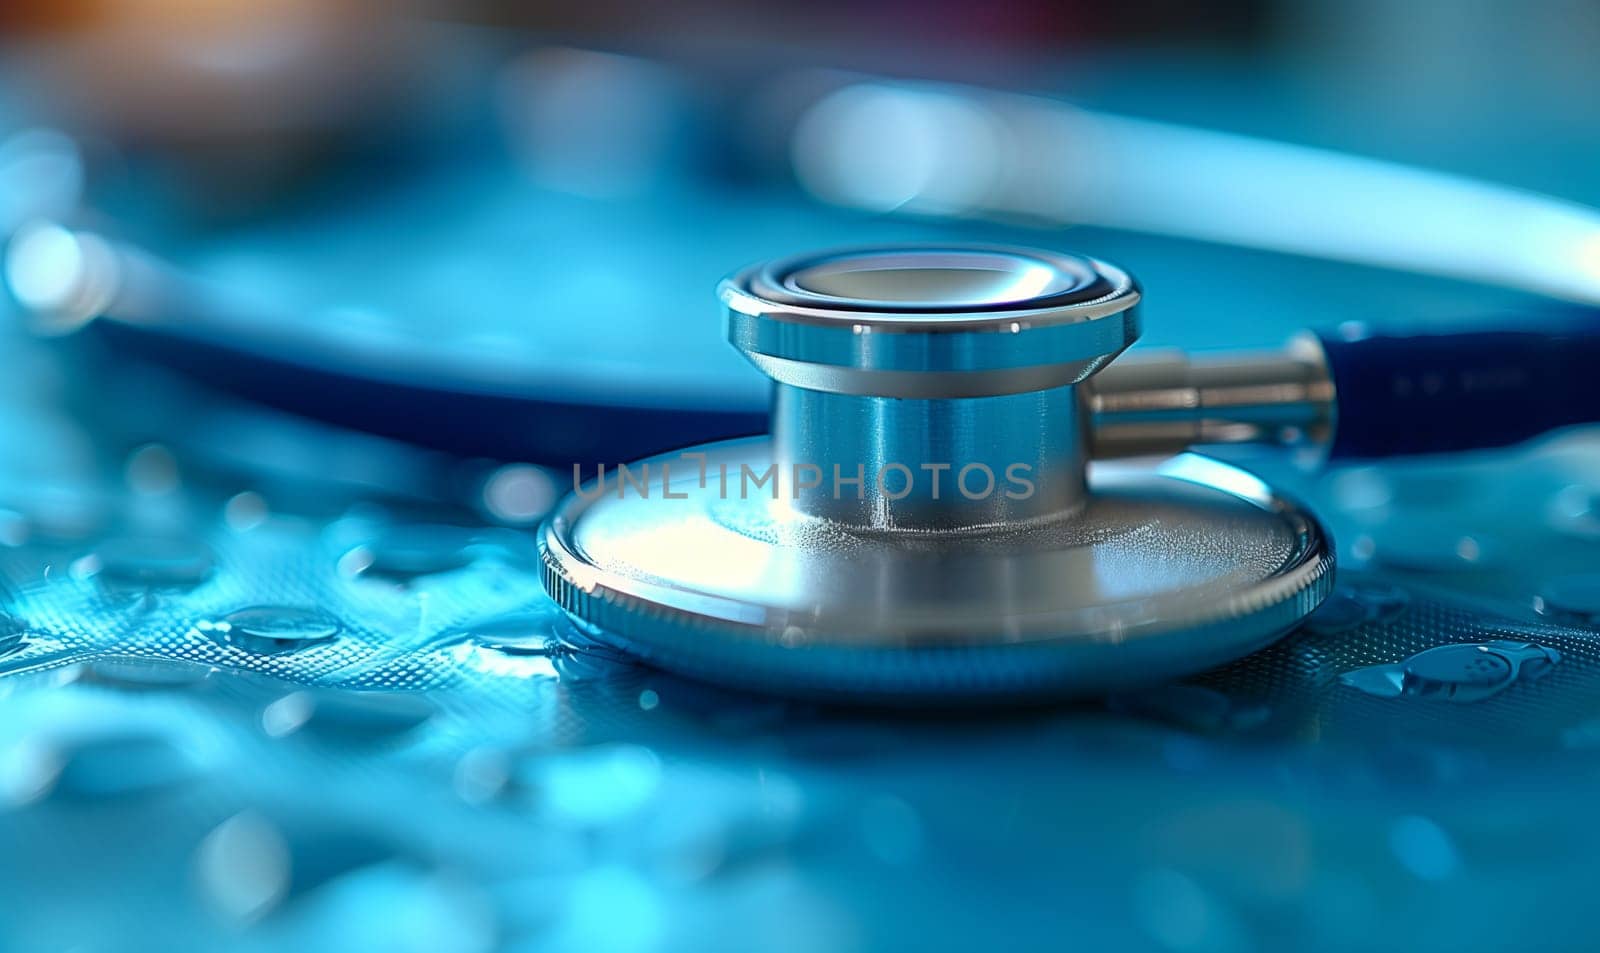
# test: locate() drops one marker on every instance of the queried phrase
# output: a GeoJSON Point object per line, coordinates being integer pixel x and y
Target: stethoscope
{"type": "Point", "coordinates": [924, 522]}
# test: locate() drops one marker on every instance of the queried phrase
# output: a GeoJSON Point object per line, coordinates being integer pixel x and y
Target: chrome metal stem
{"type": "Point", "coordinates": [931, 389]}
{"type": "Point", "coordinates": [1168, 401]}
{"type": "Point", "coordinates": [915, 464]}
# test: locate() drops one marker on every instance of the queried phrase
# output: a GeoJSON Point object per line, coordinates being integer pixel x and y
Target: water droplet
{"type": "Point", "coordinates": [347, 715]}
{"type": "Point", "coordinates": [649, 700]}
{"type": "Point", "coordinates": [155, 562]}
{"type": "Point", "coordinates": [242, 867]}
{"type": "Point", "coordinates": [151, 470]}
{"type": "Point", "coordinates": [584, 657]}
{"type": "Point", "coordinates": [127, 672]}
{"type": "Point", "coordinates": [492, 661]}
{"type": "Point", "coordinates": [519, 494]}
{"type": "Point", "coordinates": [245, 511]}
{"type": "Point", "coordinates": [1574, 599]}
{"type": "Point", "coordinates": [287, 714]}
{"type": "Point", "coordinates": [1423, 848]}
{"type": "Point", "coordinates": [1182, 916]}
{"type": "Point", "coordinates": [1360, 489]}
{"type": "Point", "coordinates": [522, 645]}
{"type": "Point", "coordinates": [14, 528]}
{"type": "Point", "coordinates": [250, 865]}
{"type": "Point", "coordinates": [525, 633]}
{"type": "Point", "coordinates": [1362, 549]}
{"type": "Point", "coordinates": [27, 770]}
{"type": "Point", "coordinates": [1464, 672]}
{"type": "Point", "coordinates": [481, 775]}
{"type": "Point", "coordinates": [1384, 681]}
{"type": "Point", "coordinates": [403, 554]}
{"type": "Point", "coordinates": [1575, 511]}
{"type": "Point", "coordinates": [269, 630]}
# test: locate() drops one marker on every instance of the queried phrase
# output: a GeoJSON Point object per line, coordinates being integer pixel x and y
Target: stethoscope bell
{"type": "Point", "coordinates": [923, 523]}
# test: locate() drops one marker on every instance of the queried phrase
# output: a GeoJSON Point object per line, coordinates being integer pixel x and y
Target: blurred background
{"type": "Point", "coordinates": [314, 303]}
{"type": "Point", "coordinates": [1461, 84]}
{"type": "Point", "coordinates": [455, 197]}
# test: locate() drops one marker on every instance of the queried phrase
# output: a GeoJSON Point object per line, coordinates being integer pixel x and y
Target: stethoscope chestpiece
{"type": "Point", "coordinates": [912, 359]}
{"type": "Point", "coordinates": [931, 322]}
{"type": "Point", "coordinates": [923, 523]}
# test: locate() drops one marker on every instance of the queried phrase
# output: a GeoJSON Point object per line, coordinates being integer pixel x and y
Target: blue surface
{"type": "Point", "coordinates": [403, 746]}
{"type": "Point", "coordinates": [263, 711]}
{"type": "Point", "coordinates": [256, 696]}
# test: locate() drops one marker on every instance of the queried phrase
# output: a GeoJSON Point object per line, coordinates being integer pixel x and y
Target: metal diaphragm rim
{"type": "Point", "coordinates": [1258, 565]}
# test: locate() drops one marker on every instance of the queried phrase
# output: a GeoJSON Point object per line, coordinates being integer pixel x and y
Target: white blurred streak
{"type": "Point", "coordinates": [942, 150]}
{"type": "Point", "coordinates": [63, 278]}
{"type": "Point", "coordinates": [876, 147]}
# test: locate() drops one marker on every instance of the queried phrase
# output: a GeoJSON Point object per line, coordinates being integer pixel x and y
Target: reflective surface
{"type": "Point", "coordinates": [1160, 573]}
{"type": "Point", "coordinates": [892, 380]}
{"type": "Point", "coordinates": [456, 767]}
{"type": "Point", "coordinates": [547, 795]}
{"type": "Point", "coordinates": [937, 279]}
{"type": "Point", "coordinates": [1059, 318]}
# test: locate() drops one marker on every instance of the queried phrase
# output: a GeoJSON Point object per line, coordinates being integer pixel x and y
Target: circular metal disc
{"type": "Point", "coordinates": [1166, 571]}
{"type": "Point", "coordinates": [931, 279]}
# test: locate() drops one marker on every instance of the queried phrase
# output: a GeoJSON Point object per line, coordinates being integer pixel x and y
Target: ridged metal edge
{"type": "Point", "coordinates": [756, 656]}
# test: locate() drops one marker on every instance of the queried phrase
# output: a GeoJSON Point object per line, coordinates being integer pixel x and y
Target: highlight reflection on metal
{"type": "Point", "coordinates": [947, 150]}
{"type": "Point", "coordinates": [1167, 401]}
{"type": "Point", "coordinates": [910, 379]}
{"type": "Point", "coordinates": [855, 572]}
